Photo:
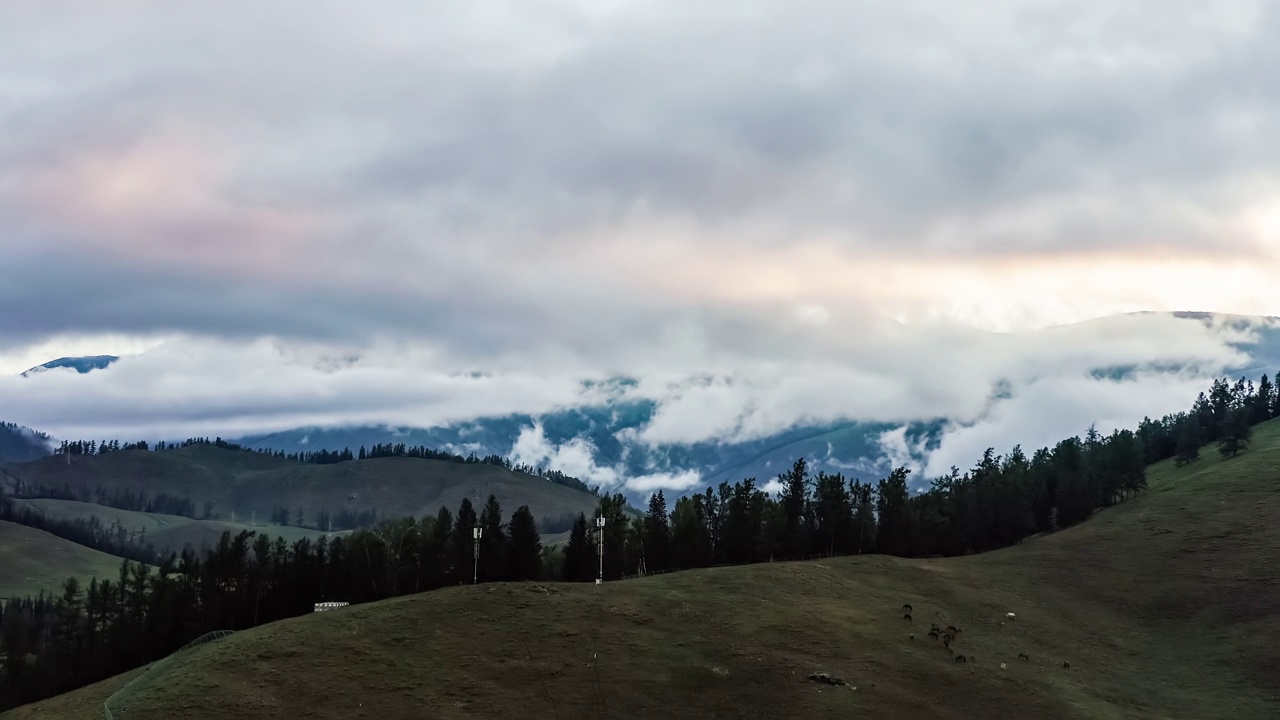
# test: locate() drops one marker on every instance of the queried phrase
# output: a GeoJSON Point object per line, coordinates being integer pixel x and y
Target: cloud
{"type": "Point", "coordinates": [561, 174]}
{"type": "Point", "coordinates": [574, 458]}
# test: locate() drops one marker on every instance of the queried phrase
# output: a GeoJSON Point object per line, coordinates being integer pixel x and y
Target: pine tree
{"type": "Point", "coordinates": [833, 512]}
{"type": "Point", "coordinates": [793, 498]}
{"type": "Point", "coordinates": [891, 508]}
{"type": "Point", "coordinates": [657, 534]}
{"type": "Point", "coordinates": [1188, 442]}
{"type": "Point", "coordinates": [578, 553]}
{"type": "Point", "coordinates": [493, 542]}
{"type": "Point", "coordinates": [524, 558]}
{"type": "Point", "coordinates": [1236, 432]}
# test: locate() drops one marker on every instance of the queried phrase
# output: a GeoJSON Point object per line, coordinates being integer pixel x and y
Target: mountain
{"type": "Point", "coordinates": [239, 485]}
{"type": "Point", "coordinates": [20, 444]}
{"type": "Point", "coordinates": [849, 447]}
{"type": "Point", "coordinates": [82, 364]}
{"type": "Point", "coordinates": [1162, 606]}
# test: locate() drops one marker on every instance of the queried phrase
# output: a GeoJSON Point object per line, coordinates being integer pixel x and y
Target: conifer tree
{"type": "Point", "coordinates": [493, 542]}
{"type": "Point", "coordinates": [1235, 433]}
{"type": "Point", "coordinates": [578, 553]}
{"type": "Point", "coordinates": [1188, 442]}
{"type": "Point", "coordinates": [524, 556]}
{"type": "Point", "coordinates": [657, 534]}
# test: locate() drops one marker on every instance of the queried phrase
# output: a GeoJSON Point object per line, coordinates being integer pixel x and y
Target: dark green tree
{"type": "Point", "coordinates": [893, 533]}
{"type": "Point", "coordinates": [579, 553]}
{"type": "Point", "coordinates": [794, 500]}
{"type": "Point", "coordinates": [1188, 449]}
{"type": "Point", "coordinates": [1235, 433]}
{"type": "Point", "coordinates": [524, 557]}
{"type": "Point", "coordinates": [832, 512]}
{"type": "Point", "coordinates": [657, 534]}
{"type": "Point", "coordinates": [493, 542]}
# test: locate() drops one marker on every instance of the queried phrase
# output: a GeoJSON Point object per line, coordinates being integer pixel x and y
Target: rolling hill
{"type": "Point", "coordinates": [166, 533]}
{"type": "Point", "coordinates": [33, 561]}
{"type": "Point", "coordinates": [1166, 606]}
{"type": "Point", "coordinates": [240, 485]}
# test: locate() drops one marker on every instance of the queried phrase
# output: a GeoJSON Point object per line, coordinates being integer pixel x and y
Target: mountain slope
{"type": "Point", "coordinates": [1165, 606]}
{"type": "Point", "coordinates": [34, 561]}
{"type": "Point", "coordinates": [240, 485]}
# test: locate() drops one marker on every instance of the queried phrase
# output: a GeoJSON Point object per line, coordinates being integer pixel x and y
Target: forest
{"type": "Point", "coordinates": [49, 645]}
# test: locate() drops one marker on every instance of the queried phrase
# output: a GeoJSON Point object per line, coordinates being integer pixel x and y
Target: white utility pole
{"type": "Point", "coordinates": [600, 531]}
{"type": "Point", "coordinates": [476, 533]}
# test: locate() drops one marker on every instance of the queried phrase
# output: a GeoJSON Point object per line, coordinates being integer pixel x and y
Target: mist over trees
{"type": "Point", "coordinates": [49, 645]}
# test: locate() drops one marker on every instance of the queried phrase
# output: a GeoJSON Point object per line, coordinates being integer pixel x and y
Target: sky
{"type": "Point", "coordinates": [421, 212]}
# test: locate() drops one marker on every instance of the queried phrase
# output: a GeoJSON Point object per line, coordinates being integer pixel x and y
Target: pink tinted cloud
{"type": "Point", "coordinates": [165, 201]}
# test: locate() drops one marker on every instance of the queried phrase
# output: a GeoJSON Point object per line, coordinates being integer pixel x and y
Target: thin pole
{"type": "Point", "coordinates": [476, 533]}
{"type": "Point", "coordinates": [600, 530]}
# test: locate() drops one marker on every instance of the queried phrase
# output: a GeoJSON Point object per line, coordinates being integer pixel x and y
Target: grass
{"type": "Point", "coordinates": [240, 485]}
{"type": "Point", "coordinates": [1167, 606]}
{"type": "Point", "coordinates": [32, 561]}
{"type": "Point", "coordinates": [164, 532]}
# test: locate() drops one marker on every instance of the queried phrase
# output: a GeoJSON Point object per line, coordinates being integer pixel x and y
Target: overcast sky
{"type": "Point", "coordinates": [799, 196]}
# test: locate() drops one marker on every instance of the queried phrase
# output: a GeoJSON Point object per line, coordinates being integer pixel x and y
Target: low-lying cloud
{"type": "Point", "coordinates": [992, 389]}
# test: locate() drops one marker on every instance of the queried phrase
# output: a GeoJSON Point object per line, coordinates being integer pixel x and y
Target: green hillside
{"type": "Point", "coordinates": [1166, 606]}
{"type": "Point", "coordinates": [32, 561]}
{"type": "Point", "coordinates": [166, 533]}
{"type": "Point", "coordinates": [240, 485]}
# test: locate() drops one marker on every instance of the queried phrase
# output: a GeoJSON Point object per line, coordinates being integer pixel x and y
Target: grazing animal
{"type": "Point", "coordinates": [907, 617]}
{"type": "Point", "coordinates": [1009, 616]}
{"type": "Point", "coordinates": [1024, 657]}
{"type": "Point", "coordinates": [933, 632]}
{"type": "Point", "coordinates": [951, 629]}
{"type": "Point", "coordinates": [912, 636]}
{"type": "Point", "coordinates": [1066, 664]}
{"type": "Point", "coordinates": [961, 658]}
{"type": "Point", "coordinates": [906, 606]}
{"type": "Point", "coordinates": [946, 643]}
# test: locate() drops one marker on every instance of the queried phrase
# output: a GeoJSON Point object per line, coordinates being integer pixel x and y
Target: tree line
{"type": "Point", "coordinates": [50, 645]}
{"type": "Point", "coordinates": [331, 457]}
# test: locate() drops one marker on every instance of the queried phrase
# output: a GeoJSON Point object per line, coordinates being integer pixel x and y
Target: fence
{"type": "Point", "coordinates": [159, 665]}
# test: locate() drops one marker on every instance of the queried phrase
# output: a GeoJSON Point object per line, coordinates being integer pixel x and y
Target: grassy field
{"type": "Point", "coordinates": [1167, 606]}
{"type": "Point", "coordinates": [167, 533]}
{"type": "Point", "coordinates": [243, 484]}
{"type": "Point", "coordinates": [32, 561]}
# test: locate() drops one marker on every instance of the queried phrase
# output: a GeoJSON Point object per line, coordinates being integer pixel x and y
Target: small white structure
{"type": "Point", "coordinates": [323, 606]}
{"type": "Point", "coordinates": [1008, 616]}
